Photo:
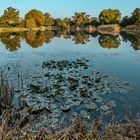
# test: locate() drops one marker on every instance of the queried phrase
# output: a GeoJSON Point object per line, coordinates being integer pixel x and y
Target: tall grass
{"type": "Point", "coordinates": [5, 93]}
{"type": "Point", "coordinates": [76, 131]}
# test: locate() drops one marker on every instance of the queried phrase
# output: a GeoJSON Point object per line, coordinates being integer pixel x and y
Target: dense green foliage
{"type": "Point", "coordinates": [80, 18]}
{"type": "Point", "coordinates": [136, 16]}
{"type": "Point", "coordinates": [110, 16]}
{"type": "Point", "coordinates": [64, 23]}
{"type": "Point", "coordinates": [126, 21]}
{"type": "Point", "coordinates": [49, 21]}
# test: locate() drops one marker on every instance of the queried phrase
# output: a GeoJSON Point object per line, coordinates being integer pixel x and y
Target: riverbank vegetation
{"type": "Point", "coordinates": [76, 131]}
{"type": "Point", "coordinates": [79, 21]}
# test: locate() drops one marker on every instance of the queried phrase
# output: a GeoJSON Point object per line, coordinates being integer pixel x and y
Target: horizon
{"type": "Point", "coordinates": [67, 8]}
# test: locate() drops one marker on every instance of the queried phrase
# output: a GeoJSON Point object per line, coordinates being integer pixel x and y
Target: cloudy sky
{"type": "Point", "coordinates": [63, 8]}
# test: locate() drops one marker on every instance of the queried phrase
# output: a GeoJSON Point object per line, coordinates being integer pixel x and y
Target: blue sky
{"type": "Point", "coordinates": [63, 8]}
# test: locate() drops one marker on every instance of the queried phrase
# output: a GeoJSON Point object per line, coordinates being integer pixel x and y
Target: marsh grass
{"type": "Point", "coordinates": [5, 93]}
{"type": "Point", "coordinates": [76, 131]}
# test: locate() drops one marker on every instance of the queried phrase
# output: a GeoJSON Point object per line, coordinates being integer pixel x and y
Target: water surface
{"type": "Point", "coordinates": [62, 74]}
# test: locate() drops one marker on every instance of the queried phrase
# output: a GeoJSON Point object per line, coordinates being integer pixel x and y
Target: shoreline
{"type": "Point", "coordinates": [103, 29]}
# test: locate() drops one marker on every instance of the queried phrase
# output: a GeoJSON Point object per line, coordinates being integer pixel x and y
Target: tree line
{"type": "Point", "coordinates": [35, 18]}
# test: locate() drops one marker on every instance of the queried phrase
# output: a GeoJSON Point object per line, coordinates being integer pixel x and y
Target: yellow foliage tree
{"type": "Point", "coordinates": [37, 16]}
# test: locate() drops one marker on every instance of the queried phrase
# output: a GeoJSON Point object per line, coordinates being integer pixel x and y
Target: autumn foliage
{"type": "Point", "coordinates": [35, 18]}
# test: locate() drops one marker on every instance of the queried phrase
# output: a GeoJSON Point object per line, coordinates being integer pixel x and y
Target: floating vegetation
{"type": "Point", "coordinates": [69, 88]}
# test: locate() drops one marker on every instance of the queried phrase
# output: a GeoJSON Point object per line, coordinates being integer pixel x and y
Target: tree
{"type": "Point", "coordinates": [126, 21]}
{"type": "Point", "coordinates": [136, 16]}
{"type": "Point", "coordinates": [80, 18]}
{"type": "Point", "coordinates": [10, 17]}
{"type": "Point", "coordinates": [66, 22]}
{"type": "Point", "coordinates": [30, 23]}
{"type": "Point", "coordinates": [110, 16]}
{"type": "Point", "coordinates": [94, 21]}
{"type": "Point", "coordinates": [58, 22]}
{"type": "Point", "coordinates": [37, 16]}
{"type": "Point", "coordinates": [109, 41]}
{"type": "Point", "coordinates": [49, 21]}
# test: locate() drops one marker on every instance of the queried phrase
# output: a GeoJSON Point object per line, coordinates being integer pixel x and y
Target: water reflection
{"type": "Point", "coordinates": [64, 89]}
{"type": "Point", "coordinates": [59, 87]}
{"type": "Point", "coordinates": [80, 38]}
{"type": "Point", "coordinates": [11, 41]}
{"type": "Point", "coordinates": [133, 38]}
{"type": "Point", "coordinates": [109, 41]}
{"type": "Point", "coordinates": [36, 39]}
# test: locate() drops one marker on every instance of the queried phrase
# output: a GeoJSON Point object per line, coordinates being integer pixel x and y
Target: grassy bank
{"type": "Point", "coordinates": [109, 29]}
{"type": "Point", "coordinates": [132, 29]}
{"type": "Point", "coordinates": [22, 29]}
{"type": "Point", "coordinates": [76, 131]}
{"type": "Point", "coordinates": [103, 29]}
{"type": "Point", "coordinates": [12, 29]}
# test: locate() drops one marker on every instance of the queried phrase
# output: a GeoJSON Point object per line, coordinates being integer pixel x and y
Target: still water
{"type": "Point", "coordinates": [58, 75]}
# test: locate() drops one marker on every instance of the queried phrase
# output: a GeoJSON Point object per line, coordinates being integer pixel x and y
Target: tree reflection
{"type": "Point", "coordinates": [136, 42]}
{"type": "Point", "coordinates": [109, 41]}
{"type": "Point", "coordinates": [11, 41]}
{"type": "Point", "coordinates": [80, 38]}
{"type": "Point", "coordinates": [133, 38]}
{"type": "Point", "coordinates": [35, 39]}
{"type": "Point", "coordinates": [66, 34]}
{"type": "Point", "coordinates": [94, 34]}
{"type": "Point", "coordinates": [48, 36]}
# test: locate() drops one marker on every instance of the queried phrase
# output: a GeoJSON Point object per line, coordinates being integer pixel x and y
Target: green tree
{"type": "Point", "coordinates": [80, 18]}
{"type": "Point", "coordinates": [10, 17]}
{"type": "Point", "coordinates": [58, 22]}
{"type": "Point", "coordinates": [110, 16]}
{"type": "Point", "coordinates": [37, 16]}
{"type": "Point", "coordinates": [49, 21]}
{"type": "Point", "coordinates": [66, 22]}
{"type": "Point", "coordinates": [136, 16]}
{"type": "Point", "coordinates": [126, 21]}
{"type": "Point", "coordinates": [94, 21]}
{"type": "Point", "coordinates": [109, 41]}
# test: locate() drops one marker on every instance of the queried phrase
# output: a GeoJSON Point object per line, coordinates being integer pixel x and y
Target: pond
{"type": "Point", "coordinates": [57, 75]}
